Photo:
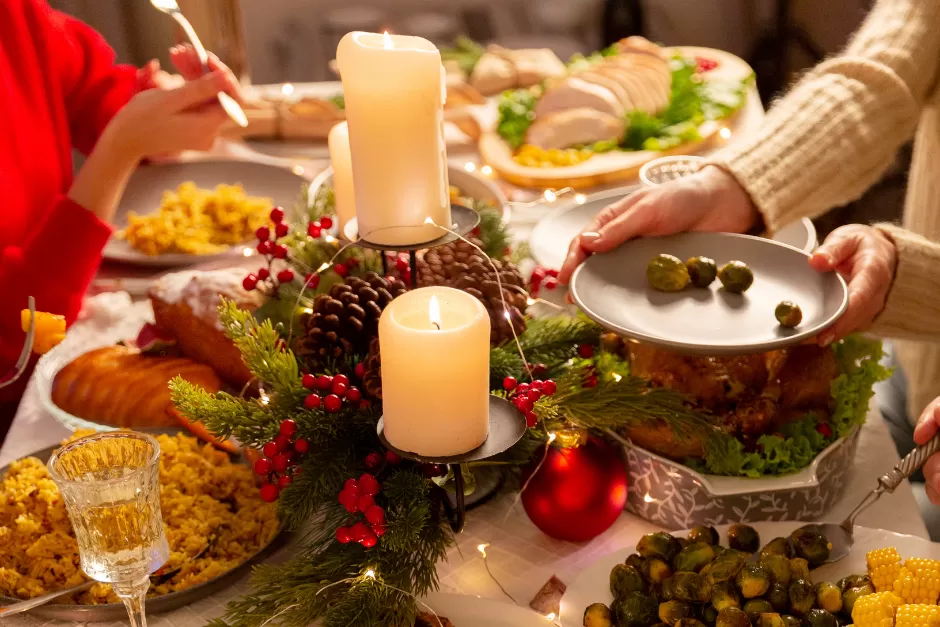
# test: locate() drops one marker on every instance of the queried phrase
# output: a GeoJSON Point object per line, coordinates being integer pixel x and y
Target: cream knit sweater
{"type": "Point", "coordinates": [832, 137]}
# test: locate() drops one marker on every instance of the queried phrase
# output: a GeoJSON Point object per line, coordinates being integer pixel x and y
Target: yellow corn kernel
{"type": "Point", "coordinates": [875, 610]}
{"type": "Point", "coordinates": [918, 616]}
{"type": "Point", "coordinates": [883, 568]}
{"type": "Point", "coordinates": [922, 587]}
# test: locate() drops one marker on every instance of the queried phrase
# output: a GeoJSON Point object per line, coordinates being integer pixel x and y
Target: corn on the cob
{"type": "Point", "coordinates": [919, 588]}
{"type": "Point", "coordinates": [875, 610]}
{"type": "Point", "coordinates": [918, 616]}
{"type": "Point", "coordinates": [883, 568]}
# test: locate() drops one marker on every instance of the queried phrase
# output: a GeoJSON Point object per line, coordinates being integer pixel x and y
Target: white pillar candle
{"type": "Point", "coordinates": [343, 192]}
{"type": "Point", "coordinates": [394, 89]}
{"type": "Point", "coordinates": [435, 377]}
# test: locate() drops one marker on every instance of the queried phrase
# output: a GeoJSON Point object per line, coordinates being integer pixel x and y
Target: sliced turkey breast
{"type": "Point", "coordinates": [642, 97]}
{"type": "Point", "coordinates": [574, 93]}
{"type": "Point", "coordinates": [534, 65]}
{"type": "Point", "coordinates": [639, 45]}
{"type": "Point", "coordinates": [492, 74]}
{"type": "Point", "coordinates": [600, 78]}
{"type": "Point", "coordinates": [574, 127]}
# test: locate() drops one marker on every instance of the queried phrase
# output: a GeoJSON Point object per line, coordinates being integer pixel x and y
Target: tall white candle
{"type": "Point", "coordinates": [343, 192]}
{"type": "Point", "coordinates": [394, 91]}
{"type": "Point", "coordinates": [435, 377]}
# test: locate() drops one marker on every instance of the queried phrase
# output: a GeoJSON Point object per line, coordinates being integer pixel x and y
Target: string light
{"type": "Point", "coordinates": [648, 498]}
{"type": "Point", "coordinates": [580, 198]}
{"type": "Point", "coordinates": [370, 574]}
{"type": "Point", "coordinates": [247, 251]}
{"type": "Point", "coordinates": [323, 267]}
{"type": "Point", "coordinates": [265, 399]}
{"type": "Point", "coordinates": [551, 437]}
{"type": "Point", "coordinates": [469, 166]}
{"type": "Point", "coordinates": [287, 89]}
{"type": "Point", "coordinates": [482, 549]}
{"type": "Point", "coordinates": [617, 377]}
{"type": "Point", "coordinates": [298, 170]}
{"type": "Point", "coordinates": [486, 170]}
{"type": "Point", "coordinates": [725, 132]}
{"type": "Point", "coordinates": [550, 196]}
{"type": "Point", "coordinates": [550, 616]}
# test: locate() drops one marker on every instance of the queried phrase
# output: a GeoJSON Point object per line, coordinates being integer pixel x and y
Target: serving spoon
{"type": "Point", "coordinates": [842, 535]}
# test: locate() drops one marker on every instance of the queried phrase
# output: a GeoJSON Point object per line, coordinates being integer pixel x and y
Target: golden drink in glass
{"type": "Point", "coordinates": [110, 484]}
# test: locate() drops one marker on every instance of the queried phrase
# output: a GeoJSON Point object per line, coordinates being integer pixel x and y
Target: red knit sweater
{"type": "Point", "coordinates": [59, 87]}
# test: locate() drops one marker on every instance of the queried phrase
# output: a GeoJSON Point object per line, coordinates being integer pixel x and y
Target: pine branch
{"type": "Point", "coordinates": [262, 350]}
{"type": "Point", "coordinates": [223, 414]}
{"type": "Point", "coordinates": [493, 232]}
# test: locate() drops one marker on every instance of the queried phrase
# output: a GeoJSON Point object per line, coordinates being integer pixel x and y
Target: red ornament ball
{"type": "Point", "coordinates": [342, 535]}
{"type": "Point", "coordinates": [250, 282]}
{"type": "Point", "coordinates": [368, 485]}
{"type": "Point", "coordinates": [284, 481]}
{"type": "Point", "coordinates": [360, 370]}
{"type": "Point", "coordinates": [392, 458]}
{"type": "Point", "coordinates": [263, 233]}
{"type": "Point", "coordinates": [301, 445]}
{"type": "Point", "coordinates": [313, 230]}
{"type": "Point", "coordinates": [326, 222]}
{"type": "Point", "coordinates": [263, 273]}
{"type": "Point", "coordinates": [375, 515]}
{"type": "Point", "coordinates": [270, 449]}
{"type": "Point", "coordinates": [269, 492]}
{"type": "Point", "coordinates": [341, 269]}
{"type": "Point", "coordinates": [586, 351]}
{"type": "Point", "coordinates": [353, 394]}
{"type": "Point", "coordinates": [277, 215]}
{"type": "Point", "coordinates": [365, 502]}
{"type": "Point", "coordinates": [332, 403]}
{"type": "Point", "coordinates": [285, 276]}
{"type": "Point", "coordinates": [263, 466]}
{"type": "Point", "coordinates": [280, 462]}
{"type": "Point", "coordinates": [577, 493]}
{"type": "Point", "coordinates": [509, 383]}
{"type": "Point", "coordinates": [324, 382]}
{"type": "Point", "coordinates": [288, 427]}
{"type": "Point", "coordinates": [312, 401]}
{"type": "Point", "coordinates": [279, 251]}
{"type": "Point", "coordinates": [373, 460]}
{"type": "Point", "coordinates": [281, 229]}
{"type": "Point", "coordinates": [309, 381]}
{"type": "Point", "coordinates": [370, 540]}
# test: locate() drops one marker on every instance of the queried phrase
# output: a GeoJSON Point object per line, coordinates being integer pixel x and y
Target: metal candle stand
{"type": "Point", "coordinates": [507, 426]}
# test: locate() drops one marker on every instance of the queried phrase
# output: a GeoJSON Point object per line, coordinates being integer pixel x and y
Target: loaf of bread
{"type": "Point", "coordinates": [117, 386]}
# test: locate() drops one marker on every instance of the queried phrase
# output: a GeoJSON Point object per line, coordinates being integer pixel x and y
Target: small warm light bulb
{"type": "Point", "coordinates": [429, 220]}
{"type": "Point", "coordinates": [370, 574]}
{"type": "Point", "coordinates": [648, 498]}
{"type": "Point", "coordinates": [725, 132]}
{"type": "Point", "coordinates": [580, 198]}
{"type": "Point", "coordinates": [530, 301]}
{"type": "Point", "coordinates": [551, 437]}
{"type": "Point", "coordinates": [482, 549]}
{"type": "Point", "coordinates": [287, 89]}
{"type": "Point", "coordinates": [247, 251]}
{"type": "Point", "coordinates": [264, 399]}
{"type": "Point", "coordinates": [507, 315]}
{"type": "Point", "coordinates": [550, 196]}
{"type": "Point", "coordinates": [387, 41]}
{"type": "Point", "coordinates": [469, 166]}
{"type": "Point", "coordinates": [329, 239]}
{"type": "Point", "coordinates": [486, 170]}
{"type": "Point", "coordinates": [298, 170]}
{"type": "Point", "coordinates": [308, 310]}
{"type": "Point", "coordinates": [617, 377]}
{"type": "Point", "coordinates": [324, 267]}
{"type": "Point", "coordinates": [550, 616]}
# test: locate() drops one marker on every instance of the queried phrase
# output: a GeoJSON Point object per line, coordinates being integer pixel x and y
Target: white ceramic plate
{"type": "Point", "coordinates": [592, 585]}
{"type": "Point", "coordinates": [551, 236]}
{"type": "Point", "coordinates": [470, 611]}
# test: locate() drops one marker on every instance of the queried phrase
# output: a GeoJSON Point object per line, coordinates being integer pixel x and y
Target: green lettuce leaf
{"type": "Point", "coordinates": [515, 115]}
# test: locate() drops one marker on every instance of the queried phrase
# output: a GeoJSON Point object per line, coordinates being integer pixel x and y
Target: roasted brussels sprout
{"type": "Point", "coordinates": [779, 568]}
{"type": "Point", "coordinates": [690, 587]}
{"type": "Point", "coordinates": [658, 544]}
{"type": "Point", "coordinates": [709, 615]}
{"type": "Point", "coordinates": [829, 597]}
{"type": "Point", "coordinates": [724, 594]}
{"type": "Point", "coordinates": [683, 542]}
{"type": "Point", "coordinates": [791, 621]}
{"type": "Point", "coordinates": [708, 535]}
{"type": "Point", "coordinates": [788, 314]}
{"type": "Point", "coordinates": [850, 596]}
{"type": "Point", "coordinates": [597, 615]}
{"type": "Point", "coordinates": [690, 622]}
{"type": "Point", "coordinates": [732, 617]}
{"type": "Point", "coordinates": [667, 274]}
{"type": "Point", "coordinates": [625, 579]}
{"type": "Point", "coordinates": [736, 277]}
{"type": "Point", "coordinates": [820, 618]}
{"type": "Point", "coordinates": [743, 538]}
{"type": "Point", "coordinates": [693, 557]}
{"type": "Point", "coordinates": [634, 610]}
{"type": "Point", "coordinates": [769, 620]}
{"type": "Point", "coordinates": [656, 570]}
{"type": "Point", "coordinates": [755, 607]}
{"type": "Point", "coordinates": [802, 596]}
{"type": "Point", "coordinates": [753, 581]}
{"type": "Point", "coordinates": [850, 581]}
{"type": "Point", "coordinates": [671, 611]}
{"type": "Point", "coordinates": [811, 546]}
{"type": "Point", "coordinates": [637, 561]}
{"type": "Point", "coordinates": [799, 568]}
{"type": "Point", "coordinates": [726, 567]}
{"type": "Point", "coordinates": [702, 271]}
{"type": "Point", "coordinates": [777, 546]}
{"type": "Point", "coordinates": [778, 597]}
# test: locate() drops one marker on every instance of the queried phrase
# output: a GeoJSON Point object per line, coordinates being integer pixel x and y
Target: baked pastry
{"type": "Point", "coordinates": [186, 304]}
{"type": "Point", "coordinates": [121, 387]}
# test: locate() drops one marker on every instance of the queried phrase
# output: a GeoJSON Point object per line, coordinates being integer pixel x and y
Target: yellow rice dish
{"type": "Point", "coordinates": [203, 497]}
{"type": "Point", "coordinates": [196, 221]}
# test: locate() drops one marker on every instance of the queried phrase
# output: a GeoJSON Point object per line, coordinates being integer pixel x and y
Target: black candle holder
{"type": "Point", "coordinates": [507, 426]}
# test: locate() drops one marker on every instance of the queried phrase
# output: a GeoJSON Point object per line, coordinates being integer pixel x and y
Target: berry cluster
{"type": "Point", "coordinates": [525, 395]}
{"type": "Point", "coordinates": [331, 392]}
{"type": "Point", "coordinates": [270, 249]}
{"type": "Point", "coordinates": [374, 460]}
{"type": "Point", "coordinates": [315, 229]}
{"type": "Point", "coordinates": [542, 277]}
{"type": "Point", "coordinates": [279, 466]}
{"type": "Point", "coordinates": [358, 497]}
{"type": "Point", "coordinates": [402, 265]}
{"type": "Point", "coordinates": [586, 351]}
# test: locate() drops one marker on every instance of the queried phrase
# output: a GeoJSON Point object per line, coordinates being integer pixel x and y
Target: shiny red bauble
{"type": "Point", "coordinates": [578, 493]}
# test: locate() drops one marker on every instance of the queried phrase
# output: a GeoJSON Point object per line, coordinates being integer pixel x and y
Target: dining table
{"type": "Point", "coordinates": [519, 559]}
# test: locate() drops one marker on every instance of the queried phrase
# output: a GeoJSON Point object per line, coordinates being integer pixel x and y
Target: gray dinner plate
{"type": "Point", "coordinates": [145, 191]}
{"type": "Point", "coordinates": [612, 289]}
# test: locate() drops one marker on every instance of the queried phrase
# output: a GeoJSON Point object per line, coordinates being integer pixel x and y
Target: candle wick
{"type": "Point", "coordinates": [437, 325]}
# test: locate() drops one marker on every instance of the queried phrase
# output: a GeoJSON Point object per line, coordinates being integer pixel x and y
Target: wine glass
{"type": "Point", "coordinates": [110, 484]}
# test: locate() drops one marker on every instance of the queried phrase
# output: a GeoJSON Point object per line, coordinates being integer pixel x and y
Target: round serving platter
{"type": "Point", "coordinates": [157, 604]}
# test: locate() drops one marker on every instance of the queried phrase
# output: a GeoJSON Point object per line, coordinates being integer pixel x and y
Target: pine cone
{"type": "Point", "coordinates": [461, 266]}
{"type": "Point", "coordinates": [372, 377]}
{"type": "Point", "coordinates": [344, 320]}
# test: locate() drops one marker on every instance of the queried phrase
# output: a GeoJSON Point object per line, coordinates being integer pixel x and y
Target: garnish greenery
{"type": "Point", "coordinates": [516, 114]}
{"type": "Point", "coordinates": [339, 100]}
{"type": "Point", "coordinates": [579, 61]}
{"type": "Point", "coordinates": [466, 52]}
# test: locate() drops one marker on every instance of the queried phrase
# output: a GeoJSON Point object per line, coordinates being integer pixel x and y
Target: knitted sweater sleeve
{"type": "Point", "coordinates": [835, 133]}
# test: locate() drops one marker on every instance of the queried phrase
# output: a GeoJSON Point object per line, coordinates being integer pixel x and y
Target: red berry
{"type": "Point", "coordinates": [339, 388]}
{"type": "Point", "coordinates": [539, 371]}
{"type": "Point", "coordinates": [313, 230]}
{"type": "Point", "coordinates": [288, 427]}
{"type": "Point", "coordinates": [352, 262]}
{"type": "Point", "coordinates": [342, 535]}
{"type": "Point", "coordinates": [263, 233]}
{"type": "Point", "coordinates": [509, 383]}
{"type": "Point", "coordinates": [341, 378]}
{"type": "Point", "coordinates": [531, 419]}
{"type": "Point", "coordinates": [263, 466]}
{"type": "Point", "coordinates": [270, 449]}
{"type": "Point", "coordinates": [312, 280]}
{"type": "Point", "coordinates": [372, 459]}
{"type": "Point", "coordinates": [375, 515]}
{"type": "Point", "coordinates": [535, 395]}
{"type": "Point", "coordinates": [353, 395]}
{"type": "Point", "coordinates": [433, 470]}
{"type": "Point", "coordinates": [350, 484]}
{"type": "Point", "coordinates": [280, 462]}
{"type": "Point", "coordinates": [392, 458]}
{"type": "Point", "coordinates": [285, 276]}
{"type": "Point", "coordinates": [301, 445]}
{"type": "Point", "coordinates": [283, 443]}
{"type": "Point", "coordinates": [538, 275]}
{"type": "Point", "coordinates": [590, 382]}
{"type": "Point", "coordinates": [551, 272]}
{"type": "Point", "coordinates": [549, 388]}
{"type": "Point", "coordinates": [291, 455]}
{"type": "Point", "coordinates": [250, 282]}
{"type": "Point", "coordinates": [360, 370]}
{"type": "Point", "coordinates": [349, 501]}
{"type": "Point", "coordinates": [326, 222]}
{"type": "Point", "coordinates": [378, 530]}
{"type": "Point", "coordinates": [368, 484]}
{"type": "Point", "coordinates": [281, 229]}
{"type": "Point", "coordinates": [525, 404]}
{"type": "Point", "coordinates": [280, 251]}
{"type": "Point", "coordinates": [365, 502]}
{"type": "Point", "coordinates": [406, 276]}
{"type": "Point", "coordinates": [586, 351]}
{"type": "Point", "coordinates": [312, 401]}
{"type": "Point", "coordinates": [551, 284]}
{"type": "Point", "coordinates": [264, 248]}
{"type": "Point", "coordinates": [333, 403]}
{"type": "Point", "coordinates": [369, 540]}
{"type": "Point", "coordinates": [522, 389]}
{"type": "Point", "coordinates": [824, 429]}
{"type": "Point", "coordinates": [537, 384]}
{"type": "Point", "coordinates": [324, 382]}
{"type": "Point", "coordinates": [365, 404]}
{"type": "Point", "coordinates": [269, 492]}
{"type": "Point", "coordinates": [284, 481]}
{"type": "Point", "coordinates": [309, 381]}
{"type": "Point", "coordinates": [263, 273]}
{"type": "Point", "coordinates": [277, 214]}
{"type": "Point", "coordinates": [401, 264]}
{"type": "Point", "coordinates": [341, 270]}
{"type": "Point", "coordinates": [359, 531]}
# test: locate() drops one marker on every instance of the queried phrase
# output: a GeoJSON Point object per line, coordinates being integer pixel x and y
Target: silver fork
{"type": "Point", "coordinates": [231, 107]}
{"type": "Point", "coordinates": [27, 350]}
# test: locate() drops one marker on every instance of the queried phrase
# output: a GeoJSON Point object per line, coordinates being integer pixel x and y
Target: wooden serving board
{"type": "Point", "coordinates": [618, 166]}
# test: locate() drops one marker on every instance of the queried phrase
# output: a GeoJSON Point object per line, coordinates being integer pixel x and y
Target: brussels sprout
{"type": "Point", "coordinates": [634, 610]}
{"type": "Point", "coordinates": [656, 570]}
{"type": "Point", "coordinates": [778, 597]}
{"type": "Point", "coordinates": [624, 579]}
{"type": "Point", "coordinates": [799, 568]}
{"type": "Point", "coordinates": [732, 617]}
{"type": "Point", "coordinates": [736, 277]}
{"type": "Point", "coordinates": [637, 561]}
{"type": "Point", "coordinates": [690, 622]}
{"type": "Point", "coordinates": [726, 567]}
{"type": "Point", "coordinates": [769, 620]}
{"type": "Point", "coordinates": [671, 611]}
{"type": "Point", "coordinates": [702, 271]}
{"type": "Point", "coordinates": [693, 557]}
{"type": "Point", "coordinates": [777, 546]}
{"type": "Point", "coordinates": [820, 618]}
{"type": "Point", "coordinates": [719, 550]}
{"type": "Point", "coordinates": [779, 568]}
{"type": "Point", "coordinates": [829, 597]}
{"type": "Point", "coordinates": [667, 274]}
{"type": "Point", "coordinates": [708, 535]}
{"type": "Point", "coordinates": [724, 594]}
{"type": "Point", "coordinates": [802, 596]}
{"type": "Point", "coordinates": [658, 544]}
{"type": "Point", "coordinates": [753, 581]}
{"type": "Point", "coordinates": [683, 542]}
{"type": "Point", "coordinates": [788, 314]}
{"type": "Point", "coordinates": [755, 607]}
{"type": "Point", "coordinates": [743, 538]}
{"type": "Point", "coordinates": [690, 587]}
{"type": "Point", "coordinates": [811, 546]}
{"type": "Point", "coordinates": [597, 615]}
{"type": "Point", "coordinates": [791, 621]}
{"type": "Point", "coordinates": [709, 615]}
{"type": "Point", "coordinates": [850, 581]}
{"type": "Point", "coordinates": [850, 596]}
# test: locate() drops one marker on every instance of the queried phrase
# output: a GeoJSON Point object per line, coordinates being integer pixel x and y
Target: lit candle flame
{"type": "Point", "coordinates": [387, 41]}
{"type": "Point", "coordinates": [434, 313]}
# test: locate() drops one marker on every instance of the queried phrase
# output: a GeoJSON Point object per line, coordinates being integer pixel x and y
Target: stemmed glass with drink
{"type": "Point", "coordinates": [110, 483]}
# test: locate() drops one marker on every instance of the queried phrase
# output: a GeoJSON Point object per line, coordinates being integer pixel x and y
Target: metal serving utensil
{"type": "Point", "coordinates": [842, 536]}
{"type": "Point", "coordinates": [20, 367]}
{"type": "Point", "coordinates": [232, 108]}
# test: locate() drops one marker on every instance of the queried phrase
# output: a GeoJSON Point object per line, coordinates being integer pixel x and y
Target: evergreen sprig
{"type": "Point", "coordinates": [550, 341]}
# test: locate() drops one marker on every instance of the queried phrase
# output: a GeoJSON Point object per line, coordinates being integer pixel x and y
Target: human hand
{"type": "Point", "coordinates": [927, 427]}
{"type": "Point", "coordinates": [709, 200]}
{"type": "Point", "coordinates": [867, 259]}
{"type": "Point", "coordinates": [187, 63]}
{"type": "Point", "coordinates": [151, 76]}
